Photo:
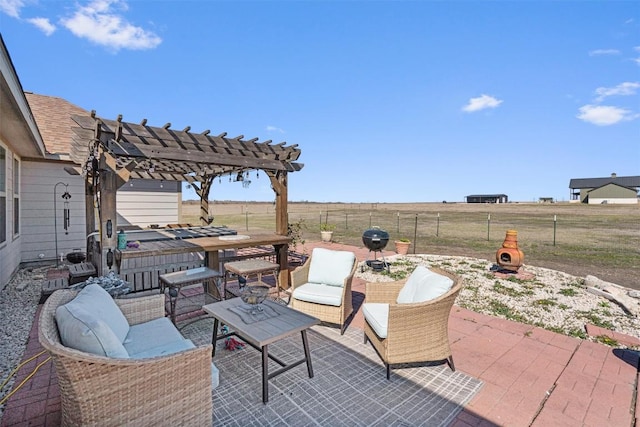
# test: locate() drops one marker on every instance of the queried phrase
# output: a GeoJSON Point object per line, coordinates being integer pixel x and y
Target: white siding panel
{"type": "Point", "coordinates": [39, 180]}
{"type": "Point", "coordinates": [146, 208]}
{"type": "Point", "coordinates": [613, 201]}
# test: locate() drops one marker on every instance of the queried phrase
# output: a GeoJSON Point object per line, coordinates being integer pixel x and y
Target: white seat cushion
{"type": "Point", "coordinates": [319, 294]}
{"type": "Point", "coordinates": [92, 322]}
{"type": "Point", "coordinates": [377, 316]}
{"type": "Point", "coordinates": [423, 285]}
{"type": "Point", "coordinates": [330, 267]}
{"type": "Point", "coordinates": [157, 333]}
{"type": "Point", "coordinates": [215, 376]}
{"type": "Point", "coordinates": [164, 349]}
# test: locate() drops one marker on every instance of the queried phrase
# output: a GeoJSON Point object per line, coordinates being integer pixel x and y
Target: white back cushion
{"type": "Point", "coordinates": [81, 330]}
{"type": "Point", "coordinates": [423, 285]}
{"type": "Point", "coordinates": [99, 303]}
{"type": "Point", "coordinates": [330, 267]}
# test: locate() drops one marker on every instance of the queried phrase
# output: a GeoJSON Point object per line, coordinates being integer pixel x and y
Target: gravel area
{"type": "Point", "coordinates": [18, 303]}
{"type": "Point", "coordinates": [552, 299]}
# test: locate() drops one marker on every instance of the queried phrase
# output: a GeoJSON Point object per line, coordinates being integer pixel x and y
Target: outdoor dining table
{"type": "Point", "coordinates": [212, 246]}
{"type": "Point", "coordinates": [141, 260]}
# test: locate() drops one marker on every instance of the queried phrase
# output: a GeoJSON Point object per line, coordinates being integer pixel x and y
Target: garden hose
{"type": "Point", "coordinates": [5, 398]}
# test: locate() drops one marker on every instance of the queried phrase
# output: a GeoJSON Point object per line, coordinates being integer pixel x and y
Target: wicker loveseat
{"type": "Point", "coordinates": [409, 324]}
{"type": "Point", "coordinates": [170, 389]}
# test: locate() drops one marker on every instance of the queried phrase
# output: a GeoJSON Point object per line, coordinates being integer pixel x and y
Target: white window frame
{"type": "Point", "coordinates": [17, 206]}
{"type": "Point", "coordinates": [4, 218]}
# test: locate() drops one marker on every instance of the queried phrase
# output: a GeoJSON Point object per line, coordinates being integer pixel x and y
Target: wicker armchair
{"type": "Point", "coordinates": [95, 390]}
{"type": "Point", "coordinates": [325, 312]}
{"type": "Point", "coordinates": [416, 332]}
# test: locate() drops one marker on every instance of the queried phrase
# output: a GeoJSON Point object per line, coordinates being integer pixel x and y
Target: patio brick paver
{"type": "Point", "coordinates": [532, 377]}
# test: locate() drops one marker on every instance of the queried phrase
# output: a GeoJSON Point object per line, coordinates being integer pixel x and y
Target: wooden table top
{"type": "Point", "coordinates": [206, 244]}
{"type": "Point", "coordinates": [263, 332]}
{"type": "Point", "coordinates": [250, 266]}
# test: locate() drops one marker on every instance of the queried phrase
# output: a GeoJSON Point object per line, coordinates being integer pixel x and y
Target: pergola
{"type": "Point", "coordinates": [113, 151]}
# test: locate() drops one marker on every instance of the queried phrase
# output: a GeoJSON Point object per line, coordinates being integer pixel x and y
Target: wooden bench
{"type": "Point", "coordinates": [245, 268]}
{"type": "Point", "coordinates": [50, 286]}
{"type": "Point", "coordinates": [81, 272]}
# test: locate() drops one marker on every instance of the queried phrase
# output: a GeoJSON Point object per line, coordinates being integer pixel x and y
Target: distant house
{"type": "Point", "coordinates": [36, 171]}
{"type": "Point", "coordinates": [487, 198]}
{"type": "Point", "coordinates": [614, 189]}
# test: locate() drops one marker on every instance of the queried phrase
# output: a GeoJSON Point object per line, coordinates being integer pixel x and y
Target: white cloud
{"type": "Point", "coordinates": [623, 89]}
{"type": "Point", "coordinates": [43, 24]}
{"type": "Point", "coordinates": [480, 103]}
{"type": "Point", "coordinates": [99, 23]}
{"type": "Point", "coordinates": [604, 115]}
{"type": "Point", "coordinates": [11, 7]}
{"type": "Point", "coordinates": [600, 52]}
{"type": "Point", "coordinates": [274, 129]}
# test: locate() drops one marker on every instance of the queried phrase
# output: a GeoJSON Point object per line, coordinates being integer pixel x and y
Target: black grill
{"type": "Point", "coordinates": [375, 239]}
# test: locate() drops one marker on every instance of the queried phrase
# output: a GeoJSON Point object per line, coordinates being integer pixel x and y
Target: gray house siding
{"type": "Point", "coordinates": [612, 193]}
{"type": "Point", "coordinates": [39, 233]}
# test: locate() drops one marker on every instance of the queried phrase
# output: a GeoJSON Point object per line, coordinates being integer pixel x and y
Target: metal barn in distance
{"type": "Point", "coordinates": [487, 198]}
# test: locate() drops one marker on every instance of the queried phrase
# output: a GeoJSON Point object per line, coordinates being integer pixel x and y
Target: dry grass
{"type": "Point", "coordinates": [601, 240]}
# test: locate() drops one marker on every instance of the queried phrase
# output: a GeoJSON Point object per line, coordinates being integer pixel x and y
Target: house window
{"type": "Point", "coordinates": [3, 195]}
{"type": "Point", "coordinates": [16, 196]}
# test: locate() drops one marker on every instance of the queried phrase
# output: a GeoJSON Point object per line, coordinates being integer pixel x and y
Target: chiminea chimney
{"type": "Point", "coordinates": [613, 175]}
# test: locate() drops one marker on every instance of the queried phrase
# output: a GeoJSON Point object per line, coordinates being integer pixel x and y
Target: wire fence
{"type": "Point", "coordinates": [561, 230]}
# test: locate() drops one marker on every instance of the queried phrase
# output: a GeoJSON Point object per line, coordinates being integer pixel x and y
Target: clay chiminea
{"type": "Point", "coordinates": [509, 257]}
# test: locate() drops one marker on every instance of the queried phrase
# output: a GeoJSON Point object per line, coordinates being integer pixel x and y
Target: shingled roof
{"type": "Point", "coordinates": [53, 117]}
{"type": "Point", "coordinates": [624, 181]}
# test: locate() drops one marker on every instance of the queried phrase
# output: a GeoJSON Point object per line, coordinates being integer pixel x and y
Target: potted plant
{"type": "Point", "coordinates": [402, 246]}
{"type": "Point", "coordinates": [326, 231]}
{"type": "Point", "coordinates": [295, 231]}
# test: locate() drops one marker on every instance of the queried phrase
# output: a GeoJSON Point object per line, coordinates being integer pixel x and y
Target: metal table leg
{"type": "Point", "coordinates": [265, 374]}
{"type": "Point", "coordinates": [307, 353]}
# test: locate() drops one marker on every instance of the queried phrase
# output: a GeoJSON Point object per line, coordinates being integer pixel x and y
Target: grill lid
{"type": "Point", "coordinates": [375, 239]}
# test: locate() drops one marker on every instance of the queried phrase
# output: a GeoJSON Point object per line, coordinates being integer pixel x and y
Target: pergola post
{"type": "Point", "coordinates": [279, 185]}
{"type": "Point", "coordinates": [204, 200]}
{"type": "Point", "coordinates": [90, 215]}
{"type": "Point", "coordinates": [108, 218]}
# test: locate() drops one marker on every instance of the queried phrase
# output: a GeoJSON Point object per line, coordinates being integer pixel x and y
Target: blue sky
{"type": "Point", "coordinates": [390, 101]}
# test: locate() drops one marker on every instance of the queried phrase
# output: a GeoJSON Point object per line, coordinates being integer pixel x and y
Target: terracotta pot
{"type": "Point", "coordinates": [509, 256]}
{"type": "Point", "coordinates": [402, 248]}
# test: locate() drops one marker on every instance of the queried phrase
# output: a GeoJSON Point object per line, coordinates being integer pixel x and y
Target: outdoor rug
{"type": "Point", "coordinates": [349, 387]}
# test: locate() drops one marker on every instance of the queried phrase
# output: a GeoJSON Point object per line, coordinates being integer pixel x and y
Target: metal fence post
{"type": "Point", "coordinates": [488, 225]}
{"type": "Point", "coordinates": [415, 235]}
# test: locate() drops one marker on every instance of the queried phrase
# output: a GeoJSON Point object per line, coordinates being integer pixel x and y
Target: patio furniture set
{"type": "Point", "coordinates": [109, 355]}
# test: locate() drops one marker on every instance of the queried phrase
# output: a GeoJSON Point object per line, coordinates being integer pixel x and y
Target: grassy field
{"type": "Point", "coordinates": [601, 240]}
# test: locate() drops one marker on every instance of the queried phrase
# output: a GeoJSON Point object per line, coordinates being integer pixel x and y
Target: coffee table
{"type": "Point", "coordinates": [261, 333]}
